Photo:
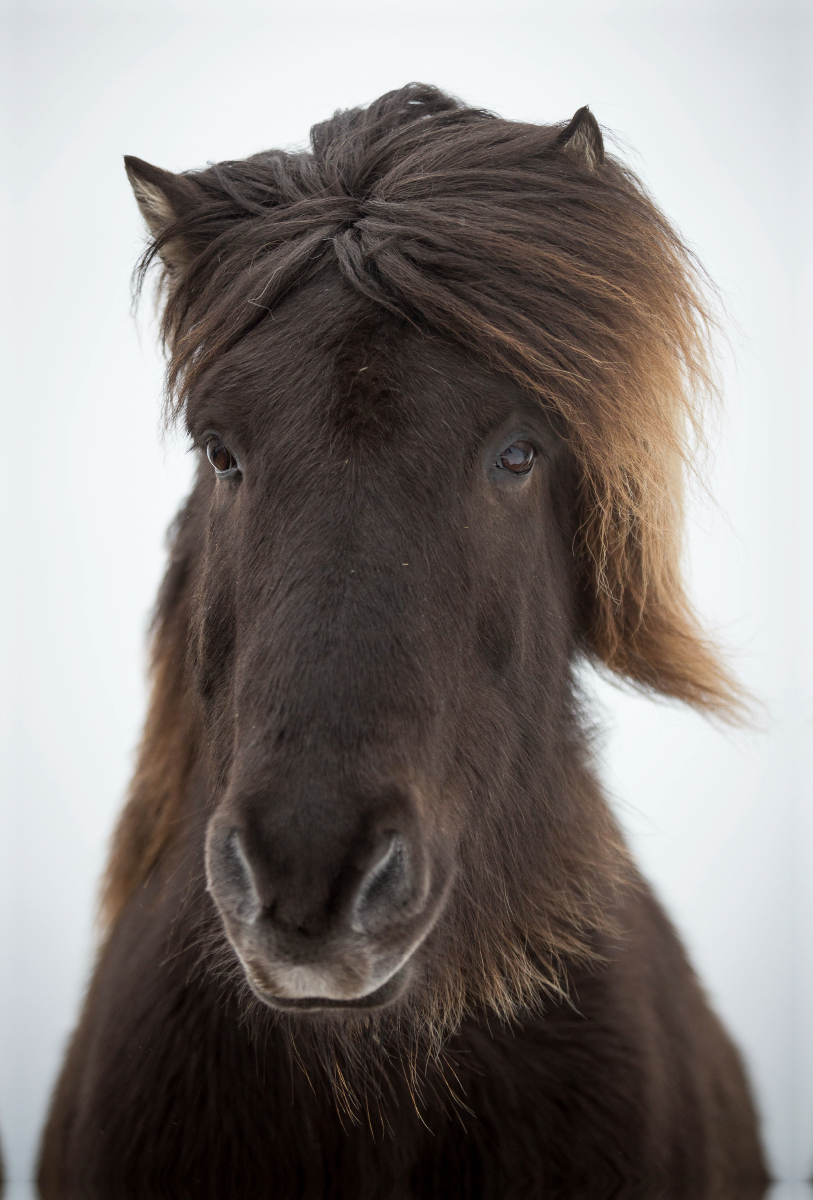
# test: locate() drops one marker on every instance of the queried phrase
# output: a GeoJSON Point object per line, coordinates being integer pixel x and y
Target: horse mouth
{"type": "Point", "coordinates": [384, 995]}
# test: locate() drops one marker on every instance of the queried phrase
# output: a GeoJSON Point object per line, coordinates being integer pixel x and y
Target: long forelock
{"type": "Point", "coordinates": [559, 273]}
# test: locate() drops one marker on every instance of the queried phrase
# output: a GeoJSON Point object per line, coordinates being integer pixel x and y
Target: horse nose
{"type": "Point", "coordinates": [324, 906]}
{"type": "Point", "coordinates": [306, 927]}
{"type": "Point", "coordinates": [364, 898]}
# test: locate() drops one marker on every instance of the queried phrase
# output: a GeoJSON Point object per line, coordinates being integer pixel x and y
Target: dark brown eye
{"type": "Point", "coordinates": [518, 457]}
{"type": "Point", "coordinates": [221, 459]}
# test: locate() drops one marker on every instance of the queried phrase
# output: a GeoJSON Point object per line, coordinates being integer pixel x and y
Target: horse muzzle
{"type": "Point", "coordinates": [311, 939]}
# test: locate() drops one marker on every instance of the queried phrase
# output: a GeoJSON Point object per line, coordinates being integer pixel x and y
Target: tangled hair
{"type": "Point", "coordinates": [536, 252]}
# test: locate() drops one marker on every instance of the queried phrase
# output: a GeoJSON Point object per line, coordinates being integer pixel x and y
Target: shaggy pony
{"type": "Point", "coordinates": [556, 269]}
{"type": "Point", "coordinates": [430, 242]}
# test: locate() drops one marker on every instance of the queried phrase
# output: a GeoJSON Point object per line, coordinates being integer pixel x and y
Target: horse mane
{"type": "Point", "coordinates": [536, 252]}
{"type": "Point", "coordinates": [169, 742]}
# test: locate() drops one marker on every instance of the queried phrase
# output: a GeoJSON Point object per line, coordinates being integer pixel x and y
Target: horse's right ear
{"type": "Point", "coordinates": [164, 200]}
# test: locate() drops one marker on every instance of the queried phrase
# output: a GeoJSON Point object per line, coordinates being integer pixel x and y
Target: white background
{"type": "Point", "coordinates": [712, 101]}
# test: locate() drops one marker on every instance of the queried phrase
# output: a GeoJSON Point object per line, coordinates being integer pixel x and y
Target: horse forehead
{"type": "Point", "coordinates": [364, 360]}
{"type": "Point", "coordinates": [386, 378]}
{"type": "Point", "coordinates": [329, 358]}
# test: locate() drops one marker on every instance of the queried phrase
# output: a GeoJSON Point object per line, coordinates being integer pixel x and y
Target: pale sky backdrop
{"type": "Point", "coordinates": [712, 104]}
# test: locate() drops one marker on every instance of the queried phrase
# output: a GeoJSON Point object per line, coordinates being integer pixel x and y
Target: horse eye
{"type": "Point", "coordinates": [220, 457]}
{"type": "Point", "coordinates": [518, 457]}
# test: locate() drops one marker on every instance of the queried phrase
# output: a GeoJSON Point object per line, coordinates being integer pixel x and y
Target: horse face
{"type": "Point", "coordinates": [380, 645]}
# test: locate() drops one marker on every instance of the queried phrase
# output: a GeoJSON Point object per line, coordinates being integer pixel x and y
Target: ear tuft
{"type": "Point", "coordinates": [582, 138]}
{"type": "Point", "coordinates": [162, 199]}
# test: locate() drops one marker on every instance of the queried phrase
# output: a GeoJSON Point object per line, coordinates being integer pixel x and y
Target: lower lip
{"type": "Point", "coordinates": [382, 996]}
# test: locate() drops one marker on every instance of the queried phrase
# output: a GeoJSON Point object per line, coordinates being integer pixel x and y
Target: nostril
{"type": "Point", "coordinates": [385, 888]}
{"type": "Point", "coordinates": [232, 881]}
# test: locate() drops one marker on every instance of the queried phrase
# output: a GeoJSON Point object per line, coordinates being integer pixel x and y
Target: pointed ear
{"type": "Point", "coordinates": [582, 138]}
{"type": "Point", "coordinates": [163, 199]}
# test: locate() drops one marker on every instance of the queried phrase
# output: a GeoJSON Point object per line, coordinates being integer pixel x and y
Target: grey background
{"type": "Point", "coordinates": [714, 103]}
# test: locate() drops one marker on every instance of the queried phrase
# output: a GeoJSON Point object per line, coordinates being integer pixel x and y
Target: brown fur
{"type": "Point", "coordinates": [365, 320]}
{"type": "Point", "coordinates": [591, 303]}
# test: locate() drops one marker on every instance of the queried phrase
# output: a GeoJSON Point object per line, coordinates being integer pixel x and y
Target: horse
{"type": "Point", "coordinates": [371, 927]}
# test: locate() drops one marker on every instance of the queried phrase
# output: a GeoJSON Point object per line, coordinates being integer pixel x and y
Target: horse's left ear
{"type": "Point", "coordinates": [164, 200]}
{"type": "Point", "coordinates": [582, 138]}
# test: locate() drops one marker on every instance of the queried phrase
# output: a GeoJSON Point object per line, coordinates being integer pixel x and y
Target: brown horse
{"type": "Point", "coordinates": [372, 929]}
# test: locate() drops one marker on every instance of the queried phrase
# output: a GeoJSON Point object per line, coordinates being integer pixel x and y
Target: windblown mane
{"type": "Point", "coordinates": [538, 254]}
